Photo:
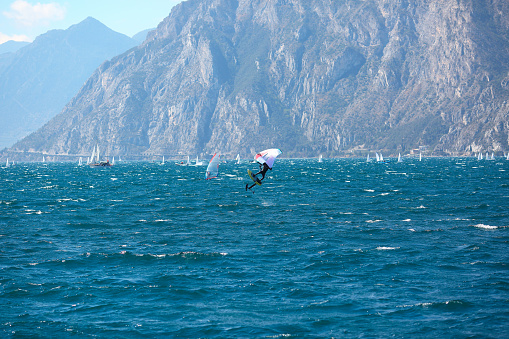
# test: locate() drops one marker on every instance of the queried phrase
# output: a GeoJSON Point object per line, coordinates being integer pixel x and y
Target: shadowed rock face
{"type": "Point", "coordinates": [305, 76]}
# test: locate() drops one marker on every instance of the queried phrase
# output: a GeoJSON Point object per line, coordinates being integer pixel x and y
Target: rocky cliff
{"type": "Point", "coordinates": [324, 76]}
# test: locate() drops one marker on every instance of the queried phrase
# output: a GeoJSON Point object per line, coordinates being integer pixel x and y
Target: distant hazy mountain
{"type": "Point", "coordinates": [141, 36]}
{"type": "Point", "coordinates": [38, 80]}
{"type": "Point", "coordinates": [332, 77]}
{"type": "Point", "coordinates": [12, 46]}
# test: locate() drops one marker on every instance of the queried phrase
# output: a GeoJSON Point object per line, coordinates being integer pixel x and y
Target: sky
{"type": "Point", "coordinates": [24, 20]}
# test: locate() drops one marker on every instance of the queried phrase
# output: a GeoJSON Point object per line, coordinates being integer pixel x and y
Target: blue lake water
{"type": "Point", "coordinates": [341, 248]}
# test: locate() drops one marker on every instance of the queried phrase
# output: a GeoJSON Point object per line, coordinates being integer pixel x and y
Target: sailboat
{"type": "Point", "coordinates": [182, 163]}
{"type": "Point", "coordinates": [7, 163]}
{"type": "Point", "coordinates": [368, 159]}
{"type": "Point", "coordinates": [399, 157]}
{"type": "Point", "coordinates": [198, 162]}
{"type": "Point", "coordinates": [162, 163]}
{"type": "Point", "coordinates": [80, 162]}
{"type": "Point", "coordinates": [237, 159]}
{"type": "Point", "coordinates": [320, 158]}
{"type": "Point", "coordinates": [98, 163]}
{"type": "Point", "coordinates": [420, 156]}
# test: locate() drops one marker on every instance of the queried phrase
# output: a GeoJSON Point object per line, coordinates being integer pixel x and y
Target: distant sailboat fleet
{"type": "Point", "coordinates": [95, 160]}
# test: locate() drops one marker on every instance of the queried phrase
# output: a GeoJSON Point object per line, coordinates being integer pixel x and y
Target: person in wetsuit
{"type": "Point", "coordinates": [263, 169]}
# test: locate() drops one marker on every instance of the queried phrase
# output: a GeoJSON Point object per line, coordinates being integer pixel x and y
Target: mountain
{"type": "Point", "coordinates": [38, 80]}
{"type": "Point", "coordinates": [12, 46]}
{"type": "Point", "coordinates": [333, 77]}
{"type": "Point", "coordinates": [141, 36]}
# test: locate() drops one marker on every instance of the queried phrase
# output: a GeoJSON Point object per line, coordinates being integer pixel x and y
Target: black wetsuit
{"type": "Point", "coordinates": [263, 169]}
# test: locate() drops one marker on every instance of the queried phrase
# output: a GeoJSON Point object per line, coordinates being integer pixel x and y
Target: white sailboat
{"type": "Point", "coordinates": [182, 163]}
{"type": "Point", "coordinates": [368, 159]}
{"type": "Point", "coordinates": [97, 162]}
{"type": "Point", "coordinates": [198, 162]}
{"type": "Point", "coordinates": [377, 156]}
{"type": "Point", "coordinates": [7, 163]}
{"type": "Point", "coordinates": [320, 158]}
{"type": "Point", "coordinates": [163, 161]}
{"type": "Point", "coordinates": [237, 159]}
{"type": "Point", "coordinates": [420, 156]}
{"type": "Point", "coordinates": [80, 162]}
{"type": "Point", "coordinates": [399, 157]}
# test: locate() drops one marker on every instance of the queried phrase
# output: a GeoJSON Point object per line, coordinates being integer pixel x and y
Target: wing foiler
{"type": "Point", "coordinates": [266, 160]}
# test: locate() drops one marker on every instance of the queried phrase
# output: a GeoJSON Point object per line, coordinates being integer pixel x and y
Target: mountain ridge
{"type": "Point", "coordinates": [38, 80]}
{"type": "Point", "coordinates": [338, 78]}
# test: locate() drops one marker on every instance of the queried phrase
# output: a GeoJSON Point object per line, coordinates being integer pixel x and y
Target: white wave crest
{"type": "Point", "coordinates": [486, 227]}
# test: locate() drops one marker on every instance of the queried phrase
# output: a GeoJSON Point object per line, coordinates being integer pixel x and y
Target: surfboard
{"type": "Point", "coordinates": [255, 179]}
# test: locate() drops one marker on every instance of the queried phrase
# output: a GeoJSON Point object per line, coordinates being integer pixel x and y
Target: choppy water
{"type": "Point", "coordinates": [341, 248]}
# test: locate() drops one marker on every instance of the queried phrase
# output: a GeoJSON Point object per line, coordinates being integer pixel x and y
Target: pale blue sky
{"type": "Point", "coordinates": [24, 20]}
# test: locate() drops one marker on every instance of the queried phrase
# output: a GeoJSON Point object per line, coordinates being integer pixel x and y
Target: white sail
{"type": "Point", "coordinates": [7, 163]}
{"type": "Point", "coordinates": [377, 156]}
{"type": "Point", "coordinates": [238, 159]}
{"type": "Point", "coordinates": [97, 154]}
{"type": "Point", "coordinates": [92, 156]}
{"type": "Point", "coordinates": [163, 160]}
{"type": "Point", "coordinates": [320, 158]}
{"type": "Point", "coordinates": [113, 161]}
{"type": "Point", "coordinates": [198, 162]}
{"type": "Point", "coordinates": [381, 157]}
{"type": "Point", "coordinates": [80, 162]}
{"type": "Point", "coordinates": [268, 156]}
{"type": "Point", "coordinates": [399, 157]}
{"type": "Point", "coordinates": [368, 159]}
{"type": "Point", "coordinates": [420, 156]}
